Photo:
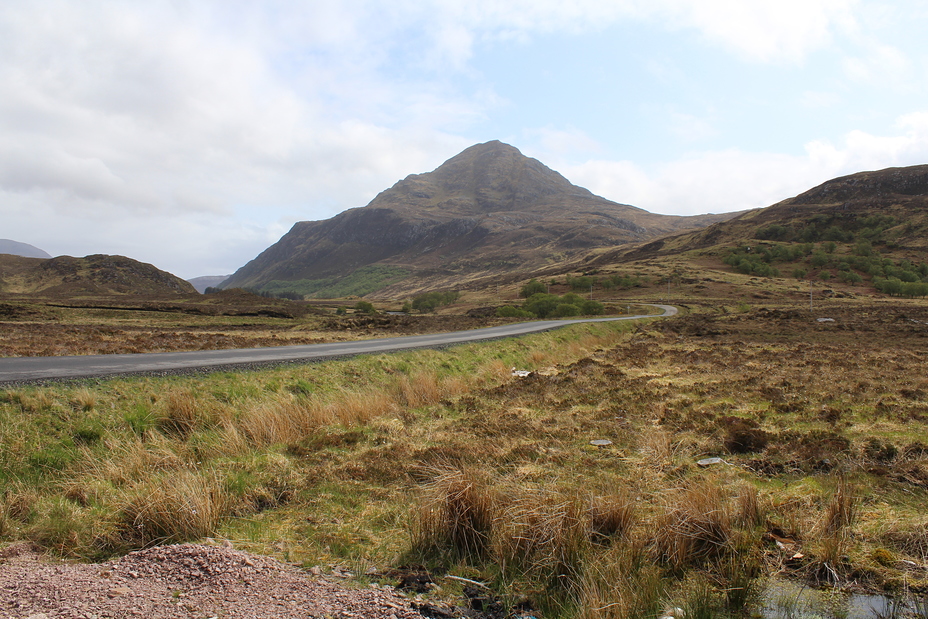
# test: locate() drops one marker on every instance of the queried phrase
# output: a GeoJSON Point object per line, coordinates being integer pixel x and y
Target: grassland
{"type": "Point", "coordinates": [442, 461]}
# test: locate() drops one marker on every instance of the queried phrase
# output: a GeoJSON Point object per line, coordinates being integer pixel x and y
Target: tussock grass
{"type": "Point", "coordinates": [841, 510]}
{"type": "Point", "coordinates": [180, 414]}
{"type": "Point", "coordinates": [456, 517]}
{"type": "Point", "coordinates": [180, 507]}
{"type": "Point", "coordinates": [611, 516]}
{"type": "Point", "coordinates": [544, 536]}
{"type": "Point", "coordinates": [696, 527]}
{"type": "Point", "coordinates": [623, 584]}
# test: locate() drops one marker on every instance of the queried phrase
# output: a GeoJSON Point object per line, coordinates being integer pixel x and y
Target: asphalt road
{"type": "Point", "coordinates": [40, 369]}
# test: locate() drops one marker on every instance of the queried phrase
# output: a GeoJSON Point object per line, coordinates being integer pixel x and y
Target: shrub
{"type": "Point", "coordinates": [541, 304]}
{"type": "Point", "coordinates": [429, 301]}
{"type": "Point", "coordinates": [508, 311]}
{"type": "Point", "coordinates": [566, 309]}
{"type": "Point", "coordinates": [532, 287]}
{"type": "Point", "coordinates": [364, 307]}
{"type": "Point", "coordinates": [580, 283]}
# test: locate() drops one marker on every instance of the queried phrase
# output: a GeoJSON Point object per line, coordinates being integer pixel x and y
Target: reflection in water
{"type": "Point", "coordinates": [785, 600]}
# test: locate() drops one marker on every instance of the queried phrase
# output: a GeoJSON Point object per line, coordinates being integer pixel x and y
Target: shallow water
{"type": "Point", "coordinates": [785, 600]}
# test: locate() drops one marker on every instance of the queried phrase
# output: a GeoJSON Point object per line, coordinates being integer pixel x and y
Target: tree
{"type": "Point", "coordinates": [532, 287]}
{"type": "Point", "coordinates": [541, 304]}
{"type": "Point", "coordinates": [364, 307]}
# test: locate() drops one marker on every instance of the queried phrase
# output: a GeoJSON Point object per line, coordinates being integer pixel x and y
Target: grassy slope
{"type": "Point", "coordinates": [441, 457]}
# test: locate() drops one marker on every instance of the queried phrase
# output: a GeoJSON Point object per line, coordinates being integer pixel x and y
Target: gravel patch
{"type": "Point", "coordinates": [184, 580]}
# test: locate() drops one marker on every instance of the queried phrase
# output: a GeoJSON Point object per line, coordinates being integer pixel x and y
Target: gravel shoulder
{"type": "Point", "coordinates": [185, 580]}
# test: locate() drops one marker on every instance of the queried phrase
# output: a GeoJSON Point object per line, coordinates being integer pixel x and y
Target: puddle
{"type": "Point", "coordinates": [784, 600]}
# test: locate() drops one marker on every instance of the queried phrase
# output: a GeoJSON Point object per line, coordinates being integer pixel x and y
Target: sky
{"type": "Point", "coordinates": [192, 134]}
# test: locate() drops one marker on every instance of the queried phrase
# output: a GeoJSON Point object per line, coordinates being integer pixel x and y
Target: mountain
{"type": "Point", "coordinates": [207, 281]}
{"type": "Point", "coordinates": [65, 276]}
{"type": "Point", "coordinates": [15, 248]}
{"type": "Point", "coordinates": [489, 210]}
{"type": "Point", "coordinates": [886, 208]}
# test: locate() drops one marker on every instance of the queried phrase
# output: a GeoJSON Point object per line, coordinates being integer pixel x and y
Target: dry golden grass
{"type": "Point", "coordinates": [697, 526]}
{"type": "Point", "coordinates": [611, 516]}
{"type": "Point", "coordinates": [83, 400]}
{"type": "Point", "coordinates": [841, 510]}
{"type": "Point", "coordinates": [179, 507]}
{"type": "Point", "coordinates": [750, 513]}
{"type": "Point", "coordinates": [543, 534]}
{"type": "Point", "coordinates": [457, 515]}
{"type": "Point", "coordinates": [622, 584]}
{"type": "Point", "coordinates": [420, 389]}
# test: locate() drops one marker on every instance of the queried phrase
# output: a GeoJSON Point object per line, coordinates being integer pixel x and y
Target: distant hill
{"type": "Point", "coordinates": [886, 207]}
{"type": "Point", "coordinates": [15, 248]}
{"type": "Point", "coordinates": [489, 210]}
{"type": "Point", "coordinates": [207, 281]}
{"type": "Point", "coordinates": [98, 274]}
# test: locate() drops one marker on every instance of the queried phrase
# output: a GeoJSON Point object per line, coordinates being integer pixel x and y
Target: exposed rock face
{"type": "Point", "coordinates": [488, 209]}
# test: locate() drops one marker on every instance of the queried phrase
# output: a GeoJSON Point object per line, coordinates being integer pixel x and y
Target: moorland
{"type": "Point", "coordinates": [402, 468]}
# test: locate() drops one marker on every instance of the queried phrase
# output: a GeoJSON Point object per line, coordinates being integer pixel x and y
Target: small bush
{"type": "Point", "coordinates": [566, 310]}
{"type": "Point", "coordinates": [508, 311]}
{"type": "Point", "coordinates": [364, 307]}
{"type": "Point", "coordinates": [532, 287]}
{"type": "Point", "coordinates": [430, 301]}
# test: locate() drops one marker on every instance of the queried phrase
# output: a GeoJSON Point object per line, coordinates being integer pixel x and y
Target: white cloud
{"type": "Point", "coordinates": [879, 63]}
{"type": "Point", "coordinates": [734, 179]}
{"type": "Point", "coordinates": [764, 30]}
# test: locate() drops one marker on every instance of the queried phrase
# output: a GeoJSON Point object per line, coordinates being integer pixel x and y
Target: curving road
{"type": "Point", "coordinates": [38, 369]}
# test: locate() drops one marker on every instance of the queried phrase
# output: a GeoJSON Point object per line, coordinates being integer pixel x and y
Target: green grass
{"type": "Point", "coordinates": [441, 457]}
{"type": "Point", "coordinates": [361, 282]}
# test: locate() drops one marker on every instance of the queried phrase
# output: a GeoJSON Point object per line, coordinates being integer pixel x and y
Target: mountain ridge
{"type": "Point", "coordinates": [488, 210]}
{"type": "Point", "coordinates": [17, 248]}
{"type": "Point", "coordinates": [889, 206]}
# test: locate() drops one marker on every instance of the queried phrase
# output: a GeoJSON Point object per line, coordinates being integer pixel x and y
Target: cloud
{"type": "Point", "coordinates": [735, 179]}
{"type": "Point", "coordinates": [759, 31]}
{"type": "Point", "coordinates": [764, 30]}
{"type": "Point", "coordinates": [192, 134]}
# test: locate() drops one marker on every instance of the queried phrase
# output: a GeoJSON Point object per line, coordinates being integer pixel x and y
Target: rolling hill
{"type": "Point", "coordinates": [887, 208]}
{"type": "Point", "coordinates": [15, 248]}
{"type": "Point", "coordinates": [488, 211]}
{"type": "Point", "coordinates": [98, 274]}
